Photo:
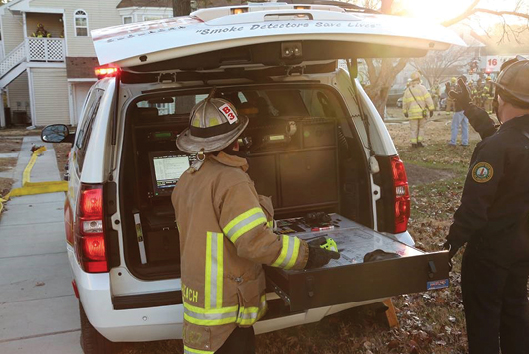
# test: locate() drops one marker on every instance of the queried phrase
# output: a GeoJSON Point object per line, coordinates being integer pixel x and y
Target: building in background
{"type": "Point", "coordinates": [47, 58]}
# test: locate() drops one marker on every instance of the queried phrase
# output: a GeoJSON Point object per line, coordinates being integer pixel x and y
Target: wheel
{"type": "Point", "coordinates": [92, 341]}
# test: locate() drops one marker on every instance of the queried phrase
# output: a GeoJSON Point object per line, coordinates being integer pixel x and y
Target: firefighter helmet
{"type": "Point", "coordinates": [453, 80]}
{"type": "Point", "coordinates": [416, 76]}
{"type": "Point", "coordinates": [214, 124]}
{"type": "Point", "coordinates": [513, 82]}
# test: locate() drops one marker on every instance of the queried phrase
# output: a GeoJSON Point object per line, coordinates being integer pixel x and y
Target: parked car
{"type": "Point", "coordinates": [318, 145]}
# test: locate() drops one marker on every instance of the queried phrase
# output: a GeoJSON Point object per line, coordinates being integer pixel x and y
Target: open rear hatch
{"type": "Point", "coordinates": [218, 43]}
{"type": "Point", "coordinates": [350, 278]}
{"type": "Point", "coordinates": [342, 34]}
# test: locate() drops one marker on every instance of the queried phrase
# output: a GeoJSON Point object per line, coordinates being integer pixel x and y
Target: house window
{"type": "Point", "coordinates": [127, 20]}
{"type": "Point", "coordinates": [81, 23]}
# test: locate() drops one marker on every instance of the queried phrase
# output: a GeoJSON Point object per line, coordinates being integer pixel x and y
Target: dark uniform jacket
{"type": "Point", "coordinates": [494, 212]}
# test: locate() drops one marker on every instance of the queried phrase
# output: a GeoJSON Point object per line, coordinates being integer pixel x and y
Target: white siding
{"type": "Point", "coordinates": [13, 31]}
{"type": "Point", "coordinates": [19, 93]}
{"type": "Point", "coordinates": [50, 88]}
{"type": "Point", "coordinates": [102, 13]}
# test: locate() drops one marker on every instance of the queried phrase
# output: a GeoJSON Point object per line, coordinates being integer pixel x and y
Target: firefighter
{"type": "Point", "coordinates": [226, 236]}
{"type": "Point", "coordinates": [494, 219]}
{"type": "Point", "coordinates": [450, 106]}
{"type": "Point", "coordinates": [436, 94]}
{"type": "Point", "coordinates": [417, 106]}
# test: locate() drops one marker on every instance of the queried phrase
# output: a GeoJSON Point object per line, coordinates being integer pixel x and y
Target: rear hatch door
{"type": "Point", "coordinates": [343, 35]}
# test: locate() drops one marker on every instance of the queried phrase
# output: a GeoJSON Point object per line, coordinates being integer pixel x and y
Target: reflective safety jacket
{"type": "Point", "coordinates": [224, 240]}
{"type": "Point", "coordinates": [414, 106]}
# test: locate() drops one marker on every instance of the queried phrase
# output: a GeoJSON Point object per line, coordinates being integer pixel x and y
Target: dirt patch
{"type": "Point", "coordinates": [418, 175]}
{"type": "Point", "coordinates": [7, 163]}
{"type": "Point", "coordinates": [61, 153]}
{"type": "Point", "coordinates": [5, 185]}
{"type": "Point", "coordinates": [9, 144]}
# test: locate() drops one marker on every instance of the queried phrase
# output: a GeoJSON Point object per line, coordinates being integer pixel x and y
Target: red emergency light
{"type": "Point", "coordinates": [106, 71]}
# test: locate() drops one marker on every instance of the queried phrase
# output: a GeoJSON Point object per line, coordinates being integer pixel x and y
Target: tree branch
{"type": "Point", "coordinates": [502, 13]}
{"type": "Point", "coordinates": [469, 11]}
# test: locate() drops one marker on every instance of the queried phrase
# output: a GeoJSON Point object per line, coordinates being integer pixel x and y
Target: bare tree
{"type": "Point", "coordinates": [435, 65]}
{"type": "Point", "coordinates": [382, 72]}
{"type": "Point", "coordinates": [181, 7]}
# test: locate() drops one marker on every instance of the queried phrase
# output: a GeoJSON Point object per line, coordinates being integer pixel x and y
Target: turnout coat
{"type": "Point", "coordinates": [225, 238]}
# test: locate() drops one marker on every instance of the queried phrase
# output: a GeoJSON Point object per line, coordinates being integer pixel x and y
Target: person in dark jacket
{"type": "Point", "coordinates": [494, 219]}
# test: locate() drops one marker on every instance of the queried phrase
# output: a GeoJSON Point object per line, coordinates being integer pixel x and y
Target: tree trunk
{"type": "Point", "coordinates": [181, 7]}
{"type": "Point", "coordinates": [382, 74]}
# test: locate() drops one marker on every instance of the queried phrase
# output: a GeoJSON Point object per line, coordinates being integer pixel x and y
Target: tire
{"type": "Point", "coordinates": [92, 341]}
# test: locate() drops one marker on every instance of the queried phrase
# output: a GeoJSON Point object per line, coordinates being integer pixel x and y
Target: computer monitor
{"type": "Point", "coordinates": [166, 169]}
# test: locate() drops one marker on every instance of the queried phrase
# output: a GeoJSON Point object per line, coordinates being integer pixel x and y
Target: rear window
{"type": "Point", "coordinates": [270, 102]}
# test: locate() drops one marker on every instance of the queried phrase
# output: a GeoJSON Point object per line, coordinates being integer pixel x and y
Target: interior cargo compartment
{"type": "Point", "coordinates": [350, 279]}
{"type": "Point", "coordinates": [305, 154]}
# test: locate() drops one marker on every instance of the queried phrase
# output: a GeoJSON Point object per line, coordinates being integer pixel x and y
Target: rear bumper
{"type": "Point", "coordinates": [163, 322]}
{"type": "Point", "coordinates": [133, 325]}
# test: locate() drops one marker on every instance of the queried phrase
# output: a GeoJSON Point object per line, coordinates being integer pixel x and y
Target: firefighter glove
{"type": "Point", "coordinates": [431, 114]}
{"type": "Point", "coordinates": [318, 257]}
{"type": "Point", "coordinates": [462, 95]}
{"type": "Point", "coordinates": [406, 115]}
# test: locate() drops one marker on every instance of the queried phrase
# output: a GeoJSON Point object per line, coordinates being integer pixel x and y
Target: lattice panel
{"type": "Point", "coordinates": [37, 49]}
{"type": "Point", "coordinates": [55, 49]}
{"type": "Point", "coordinates": [46, 49]}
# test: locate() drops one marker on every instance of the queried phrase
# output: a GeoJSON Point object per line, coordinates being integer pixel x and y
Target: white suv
{"type": "Point", "coordinates": [315, 143]}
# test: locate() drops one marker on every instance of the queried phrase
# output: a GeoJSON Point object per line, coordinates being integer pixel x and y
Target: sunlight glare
{"type": "Point", "coordinates": [435, 10]}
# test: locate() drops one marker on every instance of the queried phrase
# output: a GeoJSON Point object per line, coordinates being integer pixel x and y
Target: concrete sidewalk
{"type": "Point", "coordinates": [38, 309]}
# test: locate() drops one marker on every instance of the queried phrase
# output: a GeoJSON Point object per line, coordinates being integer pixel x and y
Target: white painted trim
{"type": "Point", "coordinates": [32, 105]}
{"type": "Point", "coordinates": [3, 33]}
{"type": "Point", "coordinates": [34, 64]}
{"type": "Point", "coordinates": [25, 29]}
{"type": "Point", "coordinates": [83, 80]}
{"type": "Point", "coordinates": [87, 24]}
{"type": "Point", "coordinates": [71, 102]}
{"type": "Point", "coordinates": [46, 10]}
{"type": "Point", "coordinates": [65, 34]}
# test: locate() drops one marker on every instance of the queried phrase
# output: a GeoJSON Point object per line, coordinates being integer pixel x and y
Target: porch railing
{"type": "Point", "coordinates": [46, 49]}
{"type": "Point", "coordinates": [15, 57]}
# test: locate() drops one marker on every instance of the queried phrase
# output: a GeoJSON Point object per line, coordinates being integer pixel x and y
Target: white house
{"type": "Point", "coordinates": [47, 59]}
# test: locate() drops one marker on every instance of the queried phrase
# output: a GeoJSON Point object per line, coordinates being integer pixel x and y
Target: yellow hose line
{"type": "Point", "coordinates": [30, 188]}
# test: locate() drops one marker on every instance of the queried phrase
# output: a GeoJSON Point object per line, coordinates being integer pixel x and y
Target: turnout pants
{"type": "Point", "coordinates": [496, 306]}
{"type": "Point", "coordinates": [417, 130]}
{"type": "Point", "coordinates": [240, 341]}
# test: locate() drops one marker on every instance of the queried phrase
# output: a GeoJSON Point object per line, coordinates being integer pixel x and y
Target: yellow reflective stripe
{"type": "Point", "coordinates": [244, 223]}
{"type": "Point", "coordinates": [239, 218]}
{"type": "Point", "coordinates": [207, 300]}
{"type": "Point", "coordinates": [202, 310]}
{"type": "Point", "coordinates": [220, 269]}
{"type": "Point", "coordinates": [249, 315]}
{"type": "Point", "coordinates": [283, 254]}
{"type": "Point", "coordinates": [214, 273]}
{"type": "Point", "coordinates": [188, 350]}
{"type": "Point", "coordinates": [270, 224]}
{"type": "Point", "coordinates": [210, 317]}
{"type": "Point", "coordinates": [294, 256]}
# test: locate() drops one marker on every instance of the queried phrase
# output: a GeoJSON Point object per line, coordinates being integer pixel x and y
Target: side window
{"type": "Point", "coordinates": [85, 129]}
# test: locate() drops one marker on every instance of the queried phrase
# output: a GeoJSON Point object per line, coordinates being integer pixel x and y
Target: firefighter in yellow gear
{"type": "Point", "coordinates": [417, 106]}
{"type": "Point", "coordinates": [226, 236]}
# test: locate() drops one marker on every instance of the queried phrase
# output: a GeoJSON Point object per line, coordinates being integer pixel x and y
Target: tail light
{"type": "Point", "coordinates": [402, 195]}
{"type": "Point", "coordinates": [106, 71]}
{"type": "Point", "coordinates": [89, 230]}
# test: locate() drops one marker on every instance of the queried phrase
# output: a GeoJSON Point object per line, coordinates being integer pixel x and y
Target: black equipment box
{"type": "Point", "coordinates": [349, 279]}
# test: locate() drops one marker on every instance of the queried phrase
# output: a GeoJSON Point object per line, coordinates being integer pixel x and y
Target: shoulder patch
{"type": "Point", "coordinates": [482, 172]}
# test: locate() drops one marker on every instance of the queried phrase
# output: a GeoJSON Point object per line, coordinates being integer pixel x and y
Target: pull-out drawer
{"type": "Point", "coordinates": [349, 279]}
